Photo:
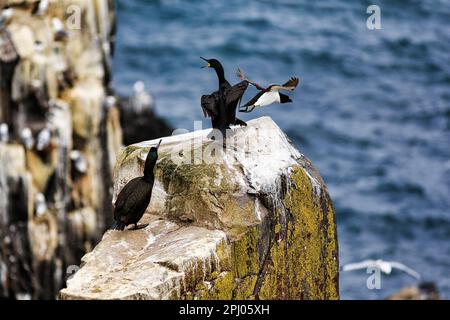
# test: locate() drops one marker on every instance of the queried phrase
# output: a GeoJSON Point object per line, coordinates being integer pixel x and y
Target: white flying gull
{"type": "Point", "coordinates": [384, 266]}
{"type": "Point", "coordinates": [43, 139]}
{"type": "Point", "coordinates": [4, 133]}
{"type": "Point", "coordinates": [27, 138]}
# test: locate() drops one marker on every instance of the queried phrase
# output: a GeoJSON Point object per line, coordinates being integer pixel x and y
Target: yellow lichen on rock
{"type": "Point", "coordinates": [303, 261]}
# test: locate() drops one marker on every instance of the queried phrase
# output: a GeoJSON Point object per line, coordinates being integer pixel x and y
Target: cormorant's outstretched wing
{"type": "Point", "coordinates": [290, 85]}
{"type": "Point", "coordinates": [405, 268]}
{"type": "Point", "coordinates": [235, 93]}
{"type": "Point", "coordinates": [210, 105]}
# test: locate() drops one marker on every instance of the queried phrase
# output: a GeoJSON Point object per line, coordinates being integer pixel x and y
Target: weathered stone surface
{"type": "Point", "coordinates": [252, 222]}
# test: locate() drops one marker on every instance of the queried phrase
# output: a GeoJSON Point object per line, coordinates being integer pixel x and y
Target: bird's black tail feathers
{"type": "Point", "coordinates": [284, 98]}
{"type": "Point", "coordinates": [118, 225]}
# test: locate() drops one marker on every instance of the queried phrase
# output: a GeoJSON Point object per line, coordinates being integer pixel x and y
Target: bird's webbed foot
{"type": "Point", "coordinates": [247, 110]}
{"type": "Point", "coordinates": [239, 122]}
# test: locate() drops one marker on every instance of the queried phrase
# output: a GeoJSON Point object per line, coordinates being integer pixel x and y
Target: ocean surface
{"type": "Point", "coordinates": [372, 111]}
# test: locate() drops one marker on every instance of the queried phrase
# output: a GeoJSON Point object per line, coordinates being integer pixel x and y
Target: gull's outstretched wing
{"type": "Point", "coordinates": [359, 265]}
{"type": "Point", "coordinates": [398, 265]}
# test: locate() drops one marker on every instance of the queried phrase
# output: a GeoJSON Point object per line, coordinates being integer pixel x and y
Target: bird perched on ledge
{"type": "Point", "coordinates": [221, 105]}
{"type": "Point", "coordinates": [268, 95]}
{"type": "Point", "coordinates": [134, 198]}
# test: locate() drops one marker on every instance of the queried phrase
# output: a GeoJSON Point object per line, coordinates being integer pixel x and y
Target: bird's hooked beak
{"type": "Point", "coordinates": [207, 65]}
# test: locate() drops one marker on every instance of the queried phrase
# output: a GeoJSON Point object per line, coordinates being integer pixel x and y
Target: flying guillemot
{"type": "Point", "coordinates": [269, 95]}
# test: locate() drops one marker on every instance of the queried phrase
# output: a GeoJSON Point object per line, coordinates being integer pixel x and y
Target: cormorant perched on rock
{"type": "Point", "coordinates": [268, 95]}
{"type": "Point", "coordinates": [134, 198]}
{"type": "Point", "coordinates": [221, 105]}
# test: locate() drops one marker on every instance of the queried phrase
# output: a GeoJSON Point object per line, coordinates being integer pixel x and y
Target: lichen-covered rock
{"type": "Point", "coordinates": [252, 221]}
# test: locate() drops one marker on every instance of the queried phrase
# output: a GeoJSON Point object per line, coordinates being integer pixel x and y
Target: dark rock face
{"type": "Point", "coordinates": [141, 126]}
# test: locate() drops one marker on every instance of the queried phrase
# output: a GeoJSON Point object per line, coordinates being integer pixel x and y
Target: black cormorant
{"type": "Point", "coordinates": [268, 95]}
{"type": "Point", "coordinates": [134, 198]}
{"type": "Point", "coordinates": [221, 105]}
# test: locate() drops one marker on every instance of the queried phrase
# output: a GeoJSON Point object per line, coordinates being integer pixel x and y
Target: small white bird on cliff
{"type": "Point", "coordinates": [79, 161]}
{"type": "Point", "coordinates": [27, 138]}
{"type": "Point", "coordinates": [58, 29]}
{"type": "Point", "coordinates": [6, 15]}
{"type": "Point", "coordinates": [40, 204]}
{"type": "Point", "coordinates": [43, 139]}
{"type": "Point", "coordinates": [40, 8]}
{"type": "Point", "coordinates": [110, 102]}
{"type": "Point", "coordinates": [4, 133]}
{"type": "Point", "coordinates": [384, 266]}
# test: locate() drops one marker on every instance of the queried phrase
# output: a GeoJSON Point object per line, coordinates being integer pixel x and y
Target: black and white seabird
{"type": "Point", "coordinates": [269, 95]}
{"type": "Point", "coordinates": [4, 133]}
{"type": "Point", "coordinates": [135, 196]}
{"type": "Point", "coordinates": [221, 105]}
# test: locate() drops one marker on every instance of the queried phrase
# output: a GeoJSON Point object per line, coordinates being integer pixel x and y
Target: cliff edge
{"type": "Point", "coordinates": [253, 221]}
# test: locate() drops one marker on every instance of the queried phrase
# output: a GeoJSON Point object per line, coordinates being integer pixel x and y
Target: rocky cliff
{"type": "Point", "coordinates": [60, 135]}
{"type": "Point", "coordinates": [252, 221]}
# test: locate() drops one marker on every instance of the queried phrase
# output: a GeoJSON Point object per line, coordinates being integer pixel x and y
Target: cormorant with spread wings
{"type": "Point", "coordinates": [221, 105]}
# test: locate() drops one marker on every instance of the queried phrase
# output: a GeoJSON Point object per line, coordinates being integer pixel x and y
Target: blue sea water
{"type": "Point", "coordinates": [372, 111]}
